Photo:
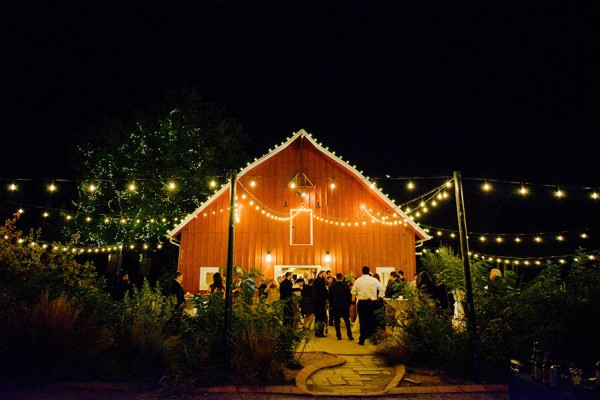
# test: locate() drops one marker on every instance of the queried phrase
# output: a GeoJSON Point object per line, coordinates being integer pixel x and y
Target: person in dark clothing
{"type": "Point", "coordinates": [339, 305]}
{"type": "Point", "coordinates": [122, 287]}
{"type": "Point", "coordinates": [286, 291]}
{"type": "Point", "coordinates": [306, 307]}
{"type": "Point", "coordinates": [319, 298]}
{"type": "Point", "coordinates": [176, 289]}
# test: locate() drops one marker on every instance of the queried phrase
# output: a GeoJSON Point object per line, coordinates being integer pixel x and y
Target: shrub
{"type": "Point", "coordinates": [49, 341]}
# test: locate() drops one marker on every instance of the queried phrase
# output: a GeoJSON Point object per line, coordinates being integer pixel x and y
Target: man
{"type": "Point", "coordinates": [286, 290]}
{"type": "Point", "coordinates": [122, 287]}
{"type": "Point", "coordinates": [319, 300]}
{"type": "Point", "coordinates": [390, 289]}
{"type": "Point", "coordinates": [366, 291]}
{"type": "Point", "coordinates": [176, 289]}
{"type": "Point", "coordinates": [339, 305]}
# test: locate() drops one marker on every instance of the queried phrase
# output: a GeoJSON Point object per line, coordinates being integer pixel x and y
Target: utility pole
{"type": "Point", "coordinates": [464, 249]}
{"type": "Point", "coordinates": [229, 274]}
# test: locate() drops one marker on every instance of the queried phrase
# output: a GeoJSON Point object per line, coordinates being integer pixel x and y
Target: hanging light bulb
{"type": "Point", "coordinates": [51, 187]}
{"type": "Point", "coordinates": [410, 185]}
{"type": "Point", "coordinates": [486, 186]}
{"type": "Point", "coordinates": [12, 187]}
{"type": "Point", "coordinates": [131, 187]}
{"type": "Point", "coordinates": [213, 183]}
{"type": "Point", "coordinates": [327, 257]}
{"type": "Point", "coordinates": [332, 184]}
{"type": "Point", "coordinates": [252, 182]}
{"type": "Point", "coordinates": [594, 195]}
{"type": "Point", "coordinates": [92, 187]}
{"type": "Point", "coordinates": [559, 193]}
{"type": "Point", "coordinates": [171, 185]}
{"type": "Point", "coordinates": [523, 190]}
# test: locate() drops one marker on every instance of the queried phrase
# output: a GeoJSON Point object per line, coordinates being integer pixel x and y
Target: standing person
{"type": "Point", "coordinates": [319, 298]}
{"type": "Point", "coordinates": [217, 285]}
{"type": "Point", "coordinates": [366, 290]}
{"type": "Point", "coordinates": [329, 281]}
{"type": "Point", "coordinates": [339, 305]}
{"type": "Point", "coordinates": [390, 288]}
{"type": "Point", "coordinates": [176, 289]}
{"type": "Point", "coordinates": [272, 291]}
{"type": "Point", "coordinates": [286, 291]}
{"type": "Point", "coordinates": [122, 287]}
{"type": "Point", "coordinates": [306, 307]}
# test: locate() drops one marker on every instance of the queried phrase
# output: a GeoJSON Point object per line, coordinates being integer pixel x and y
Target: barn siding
{"type": "Point", "coordinates": [204, 238]}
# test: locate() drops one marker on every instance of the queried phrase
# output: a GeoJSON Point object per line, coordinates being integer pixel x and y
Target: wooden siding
{"type": "Point", "coordinates": [342, 221]}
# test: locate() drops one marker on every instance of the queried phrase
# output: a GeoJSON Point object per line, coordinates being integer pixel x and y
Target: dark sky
{"type": "Point", "coordinates": [496, 89]}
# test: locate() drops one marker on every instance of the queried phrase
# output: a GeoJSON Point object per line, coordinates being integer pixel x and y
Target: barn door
{"type": "Point", "coordinates": [301, 227]}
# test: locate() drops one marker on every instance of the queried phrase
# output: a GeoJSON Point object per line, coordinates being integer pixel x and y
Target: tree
{"type": "Point", "coordinates": [139, 178]}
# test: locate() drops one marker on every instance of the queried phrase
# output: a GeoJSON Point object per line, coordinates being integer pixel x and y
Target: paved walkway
{"type": "Point", "coordinates": [357, 372]}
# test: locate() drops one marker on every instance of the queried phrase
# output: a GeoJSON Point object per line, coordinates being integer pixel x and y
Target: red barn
{"type": "Point", "coordinates": [300, 208]}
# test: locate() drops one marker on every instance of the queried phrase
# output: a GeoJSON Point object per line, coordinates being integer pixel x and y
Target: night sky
{"type": "Point", "coordinates": [503, 90]}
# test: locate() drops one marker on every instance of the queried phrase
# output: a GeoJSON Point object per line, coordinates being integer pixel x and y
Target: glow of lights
{"type": "Point", "coordinates": [560, 238]}
{"type": "Point", "coordinates": [213, 184]}
{"type": "Point", "coordinates": [171, 185]}
{"type": "Point", "coordinates": [12, 187]}
{"type": "Point", "coordinates": [584, 235]}
{"type": "Point", "coordinates": [410, 185]}
{"type": "Point", "coordinates": [499, 239]}
{"type": "Point", "coordinates": [482, 238]}
{"type": "Point", "coordinates": [92, 188]}
{"type": "Point", "coordinates": [252, 182]}
{"type": "Point", "coordinates": [46, 214]}
{"type": "Point", "coordinates": [131, 187]}
{"type": "Point", "coordinates": [595, 196]}
{"type": "Point", "coordinates": [332, 185]}
{"type": "Point", "coordinates": [518, 240]}
{"type": "Point", "coordinates": [327, 257]}
{"type": "Point", "coordinates": [559, 193]}
{"type": "Point", "coordinates": [268, 257]}
{"type": "Point", "coordinates": [486, 187]}
{"type": "Point", "coordinates": [538, 239]}
{"type": "Point", "coordinates": [523, 190]}
{"type": "Point", "coordinates": [293, 185]}
{"type": "Point", "coordinates": [52, 187]}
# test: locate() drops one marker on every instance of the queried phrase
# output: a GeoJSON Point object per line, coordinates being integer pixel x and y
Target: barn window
{"type": "Point", "coordinates": [301, 227]}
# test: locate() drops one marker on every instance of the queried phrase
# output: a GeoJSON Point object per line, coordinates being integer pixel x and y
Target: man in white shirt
{"type": "Point", "coordinates": [366, 291]}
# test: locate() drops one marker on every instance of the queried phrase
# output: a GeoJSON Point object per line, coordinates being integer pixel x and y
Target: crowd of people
{"type": "Point", "coordinates": [320, 300]}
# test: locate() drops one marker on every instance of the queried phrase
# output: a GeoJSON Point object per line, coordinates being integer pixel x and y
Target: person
{"type": "Point", "coordinates": [286, 291]}
{"type": "Point", "coordinates": [248, 290]}
{"type": "Point", "coordinates": [495, 273]}
{"type": "Point", "coordinates": [339, 305]}
{"type": "Point", "coordinates": [217, 285]}
{"type": "Point", "coordinates": [329, 281]}
{"type": "Point", "coordinates": [306, 307]}
{"type": "Point", "coordinates": [122, 287]}
{"type": "Point", "coordinates": [272, 291]}
{"type": "Point", "coordinates": [319, 303]}
{"type": "Point", "coordinates": [176, 289]}
{"type": "Point", "coordinates": [366, 290]}
{"type": "Point", "coordinates": [401, 276]}
{"type": "Point", "coordinates": [390, 289]}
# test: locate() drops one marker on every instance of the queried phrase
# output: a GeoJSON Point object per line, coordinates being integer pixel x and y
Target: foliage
{"type": "Point", "coordinates": [27, 270]}
{"type": "Point", "coordinates": [49, 340]}
{"type": "Point", "coordinates": [553, 309]}
{"type": "Point", "coordinates": [186, 141]}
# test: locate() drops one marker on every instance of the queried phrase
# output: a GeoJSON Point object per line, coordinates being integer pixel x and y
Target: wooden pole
{"type": "Point", "coordinates": [464, 249]}
{"type": "Point", "coordinates": [229, 274]}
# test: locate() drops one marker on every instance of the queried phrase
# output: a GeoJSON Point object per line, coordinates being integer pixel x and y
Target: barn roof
{"type": "Point", "coordinates": [298, 135]}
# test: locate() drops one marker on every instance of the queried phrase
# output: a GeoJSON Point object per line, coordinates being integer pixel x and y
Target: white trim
{"type": "Point", "coordinates": [303, 134]}
{"type": "Point", "coordinates": [203, 284]}
{"type": "Point", "coordinates": [293, 213]}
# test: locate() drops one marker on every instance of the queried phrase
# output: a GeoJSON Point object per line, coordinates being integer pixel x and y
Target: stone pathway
{"type": "Point", "coordinates": [359, 375]}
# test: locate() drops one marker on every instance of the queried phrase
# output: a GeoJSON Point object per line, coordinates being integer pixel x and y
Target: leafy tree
{"type": "Point", "coordinates": [149, 171]}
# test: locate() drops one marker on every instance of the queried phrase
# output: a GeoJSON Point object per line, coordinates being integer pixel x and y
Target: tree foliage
{"type": "Point", "coordinates": [185, 142]}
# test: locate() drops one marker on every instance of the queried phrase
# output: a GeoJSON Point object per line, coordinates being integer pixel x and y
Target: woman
{"type": "Point", "coordinates": [217, 285]}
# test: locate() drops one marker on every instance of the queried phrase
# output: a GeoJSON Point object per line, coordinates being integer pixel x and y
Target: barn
{"type": "Point", "coordinates": [298, 208]}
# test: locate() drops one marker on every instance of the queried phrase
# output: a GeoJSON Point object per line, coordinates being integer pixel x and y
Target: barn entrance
{"type": "Point", "coordinates": [298, 271]}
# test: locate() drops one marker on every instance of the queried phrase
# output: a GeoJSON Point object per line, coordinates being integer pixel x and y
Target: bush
{"type": "Point", "coordinates": [554, 309]}
{"type": "Point", "coordinates": [50, 341]}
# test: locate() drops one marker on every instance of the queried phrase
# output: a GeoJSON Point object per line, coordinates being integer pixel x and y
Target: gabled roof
{"type": "Point", "coordinates": [303, 134]}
